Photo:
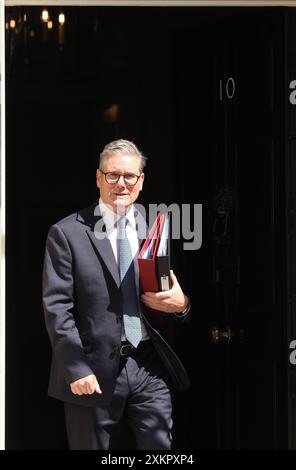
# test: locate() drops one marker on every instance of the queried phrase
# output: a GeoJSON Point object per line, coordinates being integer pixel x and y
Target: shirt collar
{"type": "Point", "coordinates": [110, 217]}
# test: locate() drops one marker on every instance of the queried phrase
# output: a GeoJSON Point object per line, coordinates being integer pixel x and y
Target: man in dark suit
{"type": "Point", "coordinates": [107, 358]}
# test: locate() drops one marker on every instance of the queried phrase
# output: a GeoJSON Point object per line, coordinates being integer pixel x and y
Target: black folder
{"type": "Point", "coordinates": [154, 257]}
{"type": "Point", "coordinates": [163, 258]}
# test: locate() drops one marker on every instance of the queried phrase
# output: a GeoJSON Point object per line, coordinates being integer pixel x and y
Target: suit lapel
{"type": "Point", "coordinates": [104, 248]}
{"type": "Point", "coordinates": [141, 223]}
{"type": "Point", "coordinates": [95, 231]}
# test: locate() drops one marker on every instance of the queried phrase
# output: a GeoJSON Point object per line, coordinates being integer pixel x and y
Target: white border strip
{"type": "Point", "coordinates": [2, 229]}
{"type": "Point", "coordinates": [156, 3]}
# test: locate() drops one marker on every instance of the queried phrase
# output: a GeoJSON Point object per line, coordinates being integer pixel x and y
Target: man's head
{"type": "Point", "coordinates": [120, 175]}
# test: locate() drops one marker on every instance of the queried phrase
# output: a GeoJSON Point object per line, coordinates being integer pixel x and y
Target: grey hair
{"type": "Point", "coordinates": [122, 147]}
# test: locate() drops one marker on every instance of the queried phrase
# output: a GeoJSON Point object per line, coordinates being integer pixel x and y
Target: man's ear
{"type": "Point", "coordinates": [98, 177]}
{"type": "Point", "coordinates": [141, 182]}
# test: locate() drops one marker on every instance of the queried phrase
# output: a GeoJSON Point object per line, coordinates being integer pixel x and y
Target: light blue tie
{"type": "Point", "coordinates": [131, 315]}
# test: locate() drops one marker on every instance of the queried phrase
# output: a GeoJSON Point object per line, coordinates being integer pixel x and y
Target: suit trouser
{"type": "Point", "coordinates": [142, 393]}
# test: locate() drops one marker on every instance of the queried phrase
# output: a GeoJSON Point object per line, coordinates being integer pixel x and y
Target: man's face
{"type": "Point", "coordinates": [119, 195]}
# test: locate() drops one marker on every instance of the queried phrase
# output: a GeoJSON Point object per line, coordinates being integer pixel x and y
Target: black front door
{"type": "Point", "coordinates": [230, 157]}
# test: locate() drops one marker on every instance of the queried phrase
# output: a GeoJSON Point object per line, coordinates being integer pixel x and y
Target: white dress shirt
{"type": "Point", "coordinates": [110, 219]}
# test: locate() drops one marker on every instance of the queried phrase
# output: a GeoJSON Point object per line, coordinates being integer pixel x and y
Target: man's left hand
{"type": "Point", "coordinates": [169, 301]}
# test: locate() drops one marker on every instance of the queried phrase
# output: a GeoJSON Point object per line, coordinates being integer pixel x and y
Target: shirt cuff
{"type": "Point", "coordinates": [185, 311]}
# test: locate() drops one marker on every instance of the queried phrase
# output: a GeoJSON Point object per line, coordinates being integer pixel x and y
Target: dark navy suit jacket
{"type": "Point", "coordinates": [83, 310]}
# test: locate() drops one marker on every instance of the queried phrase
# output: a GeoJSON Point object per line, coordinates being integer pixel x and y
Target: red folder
{"type": "Point", "coordinates": [147, 267]}
{"type": "Point", "coordinates": [149, 264]}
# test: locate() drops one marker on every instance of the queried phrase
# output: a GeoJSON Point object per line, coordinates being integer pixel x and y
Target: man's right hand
{"type": "Point", "coordinates": [86, 386]}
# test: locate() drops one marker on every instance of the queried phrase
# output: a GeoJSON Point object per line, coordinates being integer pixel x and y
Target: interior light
{"type": "Point", "coordinates": [44, 15]}
{"type": "Point", "coordinates": [62, 18]}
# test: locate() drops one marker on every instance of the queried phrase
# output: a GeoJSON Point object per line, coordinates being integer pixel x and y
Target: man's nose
{"type": "Point", "coordinates": [121, 181]}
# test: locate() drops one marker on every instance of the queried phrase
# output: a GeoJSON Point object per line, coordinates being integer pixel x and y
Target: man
{"type": "Point", "coordinates": [107, 358]}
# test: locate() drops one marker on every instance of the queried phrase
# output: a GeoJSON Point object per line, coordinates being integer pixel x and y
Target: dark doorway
{"type": "Point", "coordinates": [230, 117]}
{"type": "Point", "coordinates": [204, 99]}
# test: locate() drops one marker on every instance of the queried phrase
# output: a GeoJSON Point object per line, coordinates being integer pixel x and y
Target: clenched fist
{"type": "Point", "coordinates": [86, 386]}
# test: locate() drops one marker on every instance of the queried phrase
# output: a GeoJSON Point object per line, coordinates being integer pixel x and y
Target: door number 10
{"type": "Point", "coordinates": [229, 88]}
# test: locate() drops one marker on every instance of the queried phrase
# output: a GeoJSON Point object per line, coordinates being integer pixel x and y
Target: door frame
{"type": "Point", "coordinates": [81, 3]}
{"type": "Point", "coordinates": [155, 3]}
